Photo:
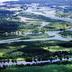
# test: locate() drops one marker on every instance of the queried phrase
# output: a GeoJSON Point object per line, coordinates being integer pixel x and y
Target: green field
{"type": "Point", "coordinates": [47, 68]}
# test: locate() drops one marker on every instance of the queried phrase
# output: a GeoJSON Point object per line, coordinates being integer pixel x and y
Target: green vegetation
{"type": "Point", "coordinates": [66, 34]}
{"type": "Point", "coordinates": [30, 26]}
{"type": "Point", "coordinates": [47, 68]}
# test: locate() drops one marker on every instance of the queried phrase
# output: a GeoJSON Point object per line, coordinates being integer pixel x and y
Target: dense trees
{"type": "Point", "coordinates": [8, 26]}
